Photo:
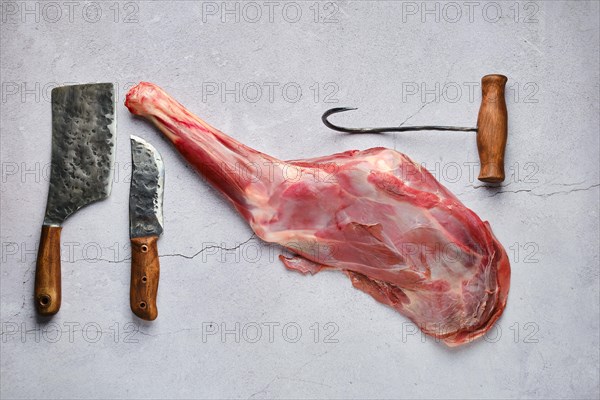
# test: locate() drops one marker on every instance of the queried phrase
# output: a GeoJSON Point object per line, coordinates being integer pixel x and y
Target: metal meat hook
{"type": "Point", "coordinates": [386, 129]}
{"type": "Point", "coordinates": [492, 127]}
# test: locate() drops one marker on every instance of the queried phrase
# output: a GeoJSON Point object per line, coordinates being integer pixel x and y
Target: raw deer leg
{"type": "Point", "coordinates": [387, 223]}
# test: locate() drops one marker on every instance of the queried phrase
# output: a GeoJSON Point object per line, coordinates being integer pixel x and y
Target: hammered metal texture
{"type": "Point", "coordinates": [83, 148]}
{"type": "Point", "coordinates": [146, 192]}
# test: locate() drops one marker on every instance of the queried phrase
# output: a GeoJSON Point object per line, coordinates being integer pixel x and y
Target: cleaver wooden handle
{"type": "Point", "coordinates": [492, 128]}
{"type": "Point", "coordinates": [145, 272]}
{"type": "Point", "coordinates": [47, 274]}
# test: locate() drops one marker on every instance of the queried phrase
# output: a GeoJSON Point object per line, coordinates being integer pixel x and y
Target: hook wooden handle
{"type": "Point", "coordinates": [492, 128]}
{"type": "Point", "coordinates": [145, 272]}
{"type": "Point", "coordinates": [47, 273]}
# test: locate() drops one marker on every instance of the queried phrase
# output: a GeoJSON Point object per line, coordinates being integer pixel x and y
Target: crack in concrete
{"type": "Point", "coordinates": [530, 190]}
{"type": "Point", "coordinates": [423, 106]}
{"type": "Point", "coordinates": [569, 184]}
{"type": "Point", "coordinates": [416, 112]}
{"type": "Point", "coordinates": [190, 257]}
{"type": "Point", "coordinates": [209, 247]}
{"type": "Point", "coordinates": [24, 282]}
{"type": "Point", "coordinates": [278, 377]}
{"type": "Point", "coordinates": [546, 194]}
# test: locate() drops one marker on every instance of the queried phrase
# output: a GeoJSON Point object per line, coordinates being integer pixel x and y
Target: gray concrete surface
{"type": "Point", "coordinates": [234, 323]}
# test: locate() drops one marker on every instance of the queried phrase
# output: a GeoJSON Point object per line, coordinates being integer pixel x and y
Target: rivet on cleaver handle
{"type": "Point", "coordinates": [145, 226]}
{"type": "Point", "coordinates": [83, 148]}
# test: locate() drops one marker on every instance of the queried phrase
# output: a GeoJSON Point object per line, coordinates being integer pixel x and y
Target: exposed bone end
{"type": "Point", "coordinates": [140, 97]}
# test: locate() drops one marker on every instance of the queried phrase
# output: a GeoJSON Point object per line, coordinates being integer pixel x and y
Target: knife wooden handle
{"type": "Point", "coordinates": [47, 274]}
{"type": "Point", "coordinates": [492, 128]}
{"type": "Point", "coordinates": [145, 272]}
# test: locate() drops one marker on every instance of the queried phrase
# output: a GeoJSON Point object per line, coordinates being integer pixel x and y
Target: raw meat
{"type": "Point", "coordinates": [396, 232]}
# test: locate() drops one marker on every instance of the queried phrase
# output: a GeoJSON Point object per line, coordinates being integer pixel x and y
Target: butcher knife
{"type": "Point", "coordinates": [145, 226]}
{"type": "Point", "coordinates": [83, 149]}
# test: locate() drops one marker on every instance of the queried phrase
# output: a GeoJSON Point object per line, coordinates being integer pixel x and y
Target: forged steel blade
{"type": "Point", "coordinates": [83, 148]}
{"type": "Point", "coordinates": [146, 192]}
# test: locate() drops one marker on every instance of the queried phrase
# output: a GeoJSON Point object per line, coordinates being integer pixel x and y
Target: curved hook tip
{"type": "Point", "coordinates": [332, 111]}
{"type": "Point", "coordinates": [339, 109]}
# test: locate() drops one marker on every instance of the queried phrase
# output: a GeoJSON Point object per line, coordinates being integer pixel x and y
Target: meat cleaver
{"type": "Point", "coordinates": [83, 150]}
{"type": "Point", "coordinates": [145, 226]}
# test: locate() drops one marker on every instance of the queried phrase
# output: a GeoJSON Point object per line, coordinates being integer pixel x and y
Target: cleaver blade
{"type": "Point", "coordinates": [83, 153]}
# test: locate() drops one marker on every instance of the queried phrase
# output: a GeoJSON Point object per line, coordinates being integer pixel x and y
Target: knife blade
{"type": "Point", "coordinates": [145, 226]}
{"type": "Point", "coordinates": [83, 153]}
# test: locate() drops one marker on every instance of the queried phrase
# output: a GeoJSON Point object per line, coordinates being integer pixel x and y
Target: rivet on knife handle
{"type": "Point", "coordinates": [47, 273]}
{"type": "Point", "coordinates": [145, 226]}
{"type": "Point", "coordinates": [145, 272]}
